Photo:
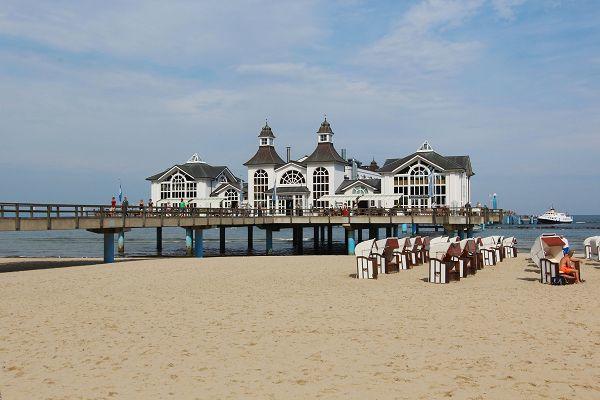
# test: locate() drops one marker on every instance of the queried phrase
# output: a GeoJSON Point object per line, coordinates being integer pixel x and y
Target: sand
{"type": "Point", "coordinates": [293, 327]}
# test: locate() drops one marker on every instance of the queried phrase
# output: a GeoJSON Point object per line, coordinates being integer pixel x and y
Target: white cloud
{"type": "Point", "coordinates": [506, 8]}
{"type": "Point", "coordinates": [186, 33]}
{"type": "Point", "coordinates": [416, 45]}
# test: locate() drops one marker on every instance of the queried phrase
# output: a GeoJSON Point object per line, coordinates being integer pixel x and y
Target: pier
{"type": "Point", "coordinates": [108, 222]}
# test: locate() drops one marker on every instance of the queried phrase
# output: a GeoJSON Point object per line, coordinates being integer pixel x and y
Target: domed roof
{"type": "Point", "coordinates": [325, 127]}
{"type": "Point", "coordinates": [266, 132]}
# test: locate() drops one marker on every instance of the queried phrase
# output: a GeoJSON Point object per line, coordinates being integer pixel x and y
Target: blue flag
{"type": "Point", "coordinates": [120, 193]}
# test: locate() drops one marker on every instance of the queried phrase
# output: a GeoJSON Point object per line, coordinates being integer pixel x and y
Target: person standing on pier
{"type": "Point", "coordinates": [113, 205]}
{"type": "Point", "coordinates": [124, 206]}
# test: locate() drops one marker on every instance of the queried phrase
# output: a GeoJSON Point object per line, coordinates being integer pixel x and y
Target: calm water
{"type": "Point", "coordinates": [142, 242]}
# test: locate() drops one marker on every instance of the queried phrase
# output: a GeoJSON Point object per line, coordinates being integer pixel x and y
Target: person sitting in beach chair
{"type": "Point", "coordinates": [569, 267]}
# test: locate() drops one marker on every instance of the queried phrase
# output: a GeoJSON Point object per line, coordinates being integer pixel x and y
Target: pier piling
{"type": "Point", "coordinates": [359, 235]}
{"type": "Point", "coordinates": [395, 231]}
{"type": "Point", "coordinates": [250, 238]}
{"type": "Point", "coordinates": [109, 247]}
{"type": "Point", "coordinates": [388, 231]}
{"type": "Point", "coordinates": [222, 240]}
{"type": "Point", "coordinates": [299, 241]}
{"type": "Point", "coordinates": [350, 242]}
{"type": "Point", "coordinates": [199, 243]}
{"type": "Point", "coordinates": [121, 242]}
{"type": "Point", "coordinates": [189, 238]}
{"type": "Point", "coordinates": [329, 237]}
{"type": "Point", "coordinates": [159, 241]}
{"type": "Point", "coordinates": [269, 241]}
{"type": "Point", "coordinates": [316, 237]}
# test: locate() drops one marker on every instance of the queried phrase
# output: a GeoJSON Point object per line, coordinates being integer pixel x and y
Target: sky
{"type": "Point", "coordinates": [93, 93]}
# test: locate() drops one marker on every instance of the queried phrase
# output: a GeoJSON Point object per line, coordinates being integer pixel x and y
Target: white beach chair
{"type": "Point", "coordinates": [403, 253]}
{"type": "Point", "coordinates": [510, 246]}
{"type": "Point", "coordinates": [441, 264]}
{"type": "Point", "coordinates": [487, 251]}
{"type": "Point", "coordinates": [546, 252]}
{"type": "Point", "coordinates": [591, 247]}
{"type": "Point", "coordinates": [366, 262]}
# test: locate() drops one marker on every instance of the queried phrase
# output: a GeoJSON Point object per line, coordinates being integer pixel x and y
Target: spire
{"type": "Point", "coordinates": [325, 133]}
{"type": "Point", "coordinates": [266, 136]}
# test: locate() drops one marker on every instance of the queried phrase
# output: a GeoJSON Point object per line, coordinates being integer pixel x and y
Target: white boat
{"type": "Point", "coordinates": [553, 217]}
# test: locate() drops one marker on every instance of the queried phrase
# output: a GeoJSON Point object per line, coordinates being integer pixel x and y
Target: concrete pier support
{"type": "Point", "coordinates": [299, 241]}
{"type": "Point", "coordinates": [329, 236]}
{"type": "Point", "coordinates": [414, 229]}
{"type": "Point", "coordinates": [359, 236]}
{"type": "Point", "coordinates": [222, 240]}
{"type": "Point", "coordinates": [269, 241]}
{"type": "Point", "coordinates": [350, 242]}
{"type": "Point", "coordinates": [159, 241]}
{"type": "Point", "coordinates": [199, 243]}
{"type": "Point", "coordinates": [395, 231]}
{"type": "Point", "coordinates": [121, 242]}
{"type": "Point", "coordinates": [322, 234]}
{"type": "Point", "coordinates": [109, 247]}
{"type": "Point", "coordinates": [189, 241]}
{"type": "Point", "coordinates": [388, 231]}
{"type": "Point", "coordinates": [316, 238]}
{"type": "Point", "coordinates": [250, 238]}
{"type": "Point", "coordinates": [374, 233]}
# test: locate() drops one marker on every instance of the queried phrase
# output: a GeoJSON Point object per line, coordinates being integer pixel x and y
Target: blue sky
{"type": "Point", "coordinates": [91, 92]}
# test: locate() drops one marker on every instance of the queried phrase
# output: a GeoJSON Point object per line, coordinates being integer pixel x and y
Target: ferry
{"type": "Point", "coordinates": [553, 217]}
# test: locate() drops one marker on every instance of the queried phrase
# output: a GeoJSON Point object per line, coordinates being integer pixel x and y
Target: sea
{"type": "Point", "coordinates": [142, 242]}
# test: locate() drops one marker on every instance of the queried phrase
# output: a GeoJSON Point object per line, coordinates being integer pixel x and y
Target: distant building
{"type": "Point", "coordinates": [197, 183]}
{"type": "Point", "coordinates": [423, 179]}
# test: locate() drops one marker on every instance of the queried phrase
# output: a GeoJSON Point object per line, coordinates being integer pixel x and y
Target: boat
{"type": "Point", "coordinates": [553, 217]}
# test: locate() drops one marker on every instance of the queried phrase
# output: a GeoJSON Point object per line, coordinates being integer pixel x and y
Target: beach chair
{"type": "Point", "coordinates": [366, 261]}
{"type": "Point", "coordinates": [546, 252]}
{"type": "Point", "coordinates": [467, 261]}
{"type": "Point", "coordinates": [487, 253]}
{"type": "Point", "coordinates": [495, 243]}
{"type": "Point", "coordinates": [510, 246]}
{"type": "Point", "coordinates": [442, 267]}
{"type": "Point", "coordinates": [591, 247]}
{"type": "Point", "coordinates": [403, 254]}
{"type": "Point", "coordinates": [416, 244]}
{"type": "Point", "coordinates": [425, 240]}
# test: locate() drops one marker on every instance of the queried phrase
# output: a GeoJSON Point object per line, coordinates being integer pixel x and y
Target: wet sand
{"type": "Point", "coordinates": [293, 327]}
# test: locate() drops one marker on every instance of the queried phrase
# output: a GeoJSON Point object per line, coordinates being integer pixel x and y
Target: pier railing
{"type": "Point", "coordinates": [39, 211]}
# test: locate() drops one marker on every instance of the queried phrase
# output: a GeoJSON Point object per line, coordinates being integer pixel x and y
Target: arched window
{"type": "Point", "coordinates": [178, 186]}
{"type": "Point", "coordinates": [320, 186]}
{"type": "Point", "coordinates": [414, 186]}
{"type": "Point", "coordinates": [260, 186]}
{"type": "Point", "coordinates": [231, 198]}
{"type": "Point", "coordinates": [292, 177]}
{"type": "Point", "coordinates": [359, 190]}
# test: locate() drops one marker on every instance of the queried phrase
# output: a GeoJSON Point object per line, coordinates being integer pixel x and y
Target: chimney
{"type": "Point", "coordinates": [344, 154]}
{"type": "Point", "coordinates": [288, 150]}
{"type": "Point", "coordinates": [354, 169]}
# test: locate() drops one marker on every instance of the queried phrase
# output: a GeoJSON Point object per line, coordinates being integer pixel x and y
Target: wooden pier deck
{"type": "Point", "coordinates": [103, 219]}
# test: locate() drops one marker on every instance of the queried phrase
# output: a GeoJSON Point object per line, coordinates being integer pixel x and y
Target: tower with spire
{"type": "Point", "coordinates": [261, 168]}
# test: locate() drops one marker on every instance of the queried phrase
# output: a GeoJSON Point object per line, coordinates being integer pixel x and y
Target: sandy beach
{"type": "Point", "coordinates": [293, 327]}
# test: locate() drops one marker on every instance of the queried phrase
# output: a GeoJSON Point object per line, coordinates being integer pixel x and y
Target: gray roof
{"type": "Point", "coordinates": [265, 155]}
{"type": "Point", "coordinates": [374, 183]}
{"type": "Point", "coordinates": [325, 152]}
{"type": "Point", "coordinates": [266, 132]}
{"type": "Point", "coordinates": [222, 186]}
{"type": "Point", "coordinates": [325, 127]}
{"type": "Point", "coordinates": [199, 170]}
{"type": "Point", "coordinates": [448, 163]}
{"type": "Point", "coordinates": [289, 190]}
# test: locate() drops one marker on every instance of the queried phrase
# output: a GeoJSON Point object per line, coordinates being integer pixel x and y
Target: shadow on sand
{"type": "Point", "coordinates": [529, 279]}
{"type": "Point", "coordinates": [32, 264]}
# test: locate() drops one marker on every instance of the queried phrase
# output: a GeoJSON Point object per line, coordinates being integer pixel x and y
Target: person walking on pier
{"type": "Point", "coordinates": [141, 206]}
{"type": "Point", "coordinates": [150, 205]}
